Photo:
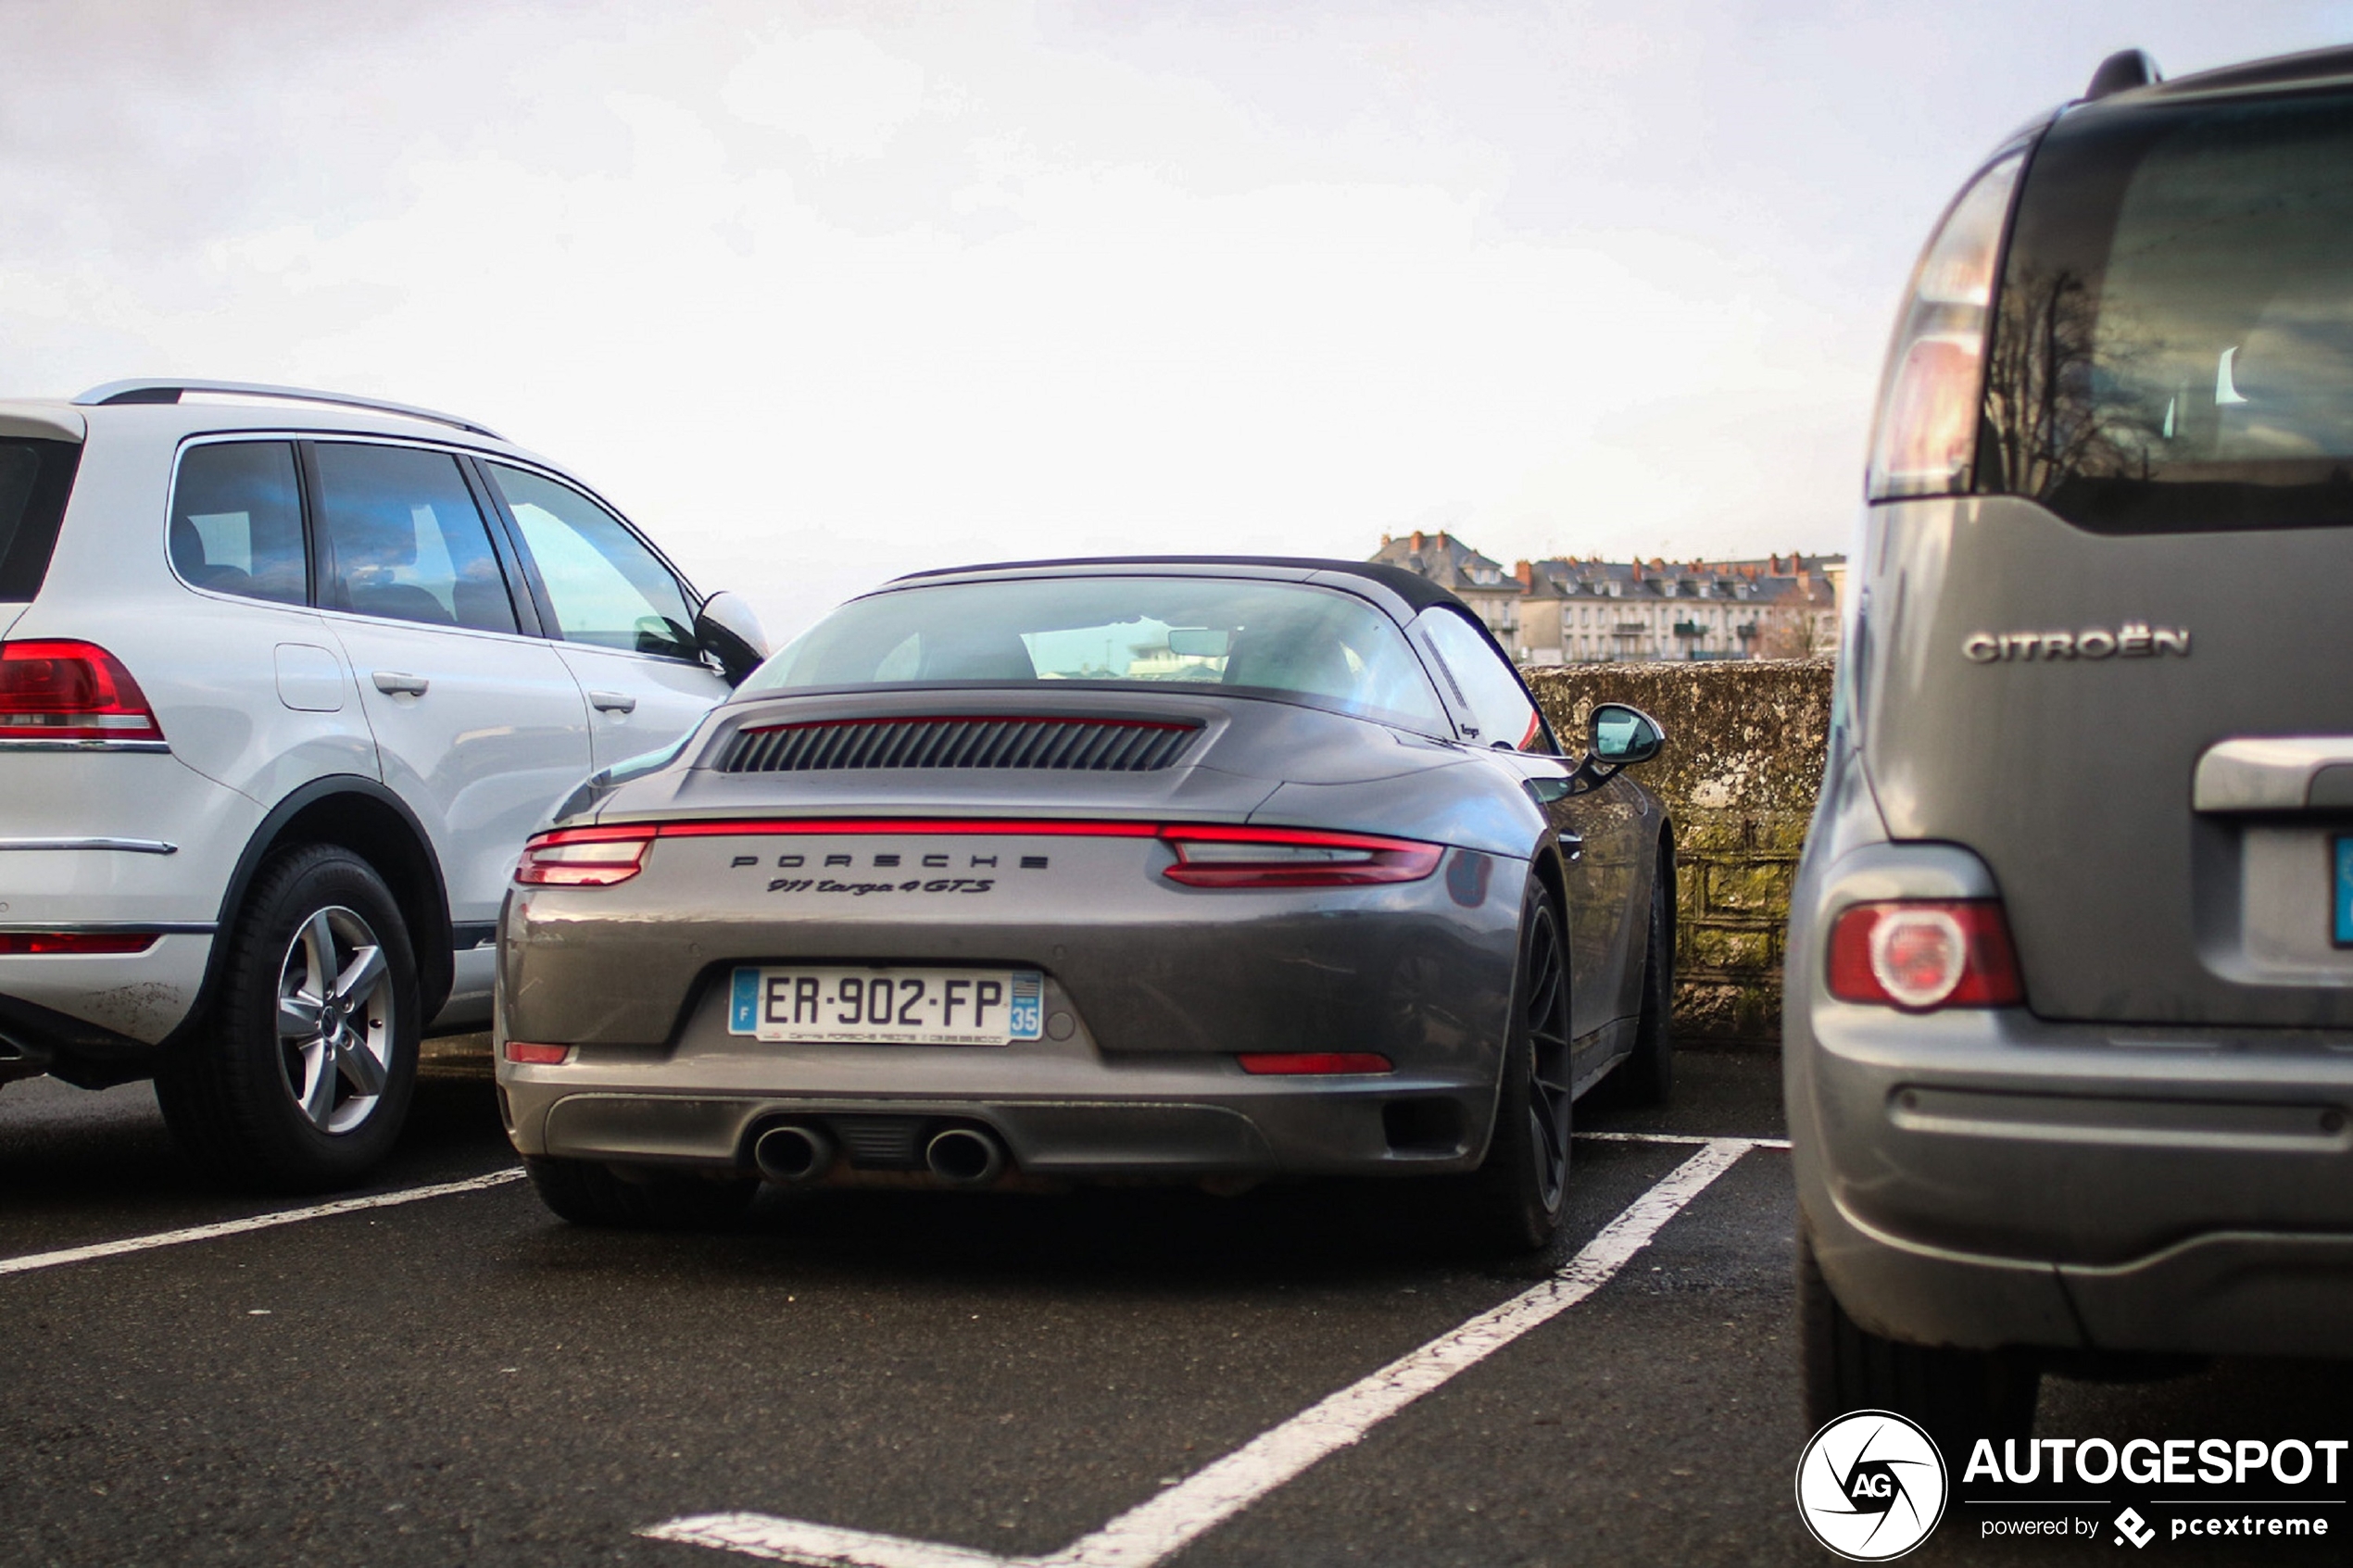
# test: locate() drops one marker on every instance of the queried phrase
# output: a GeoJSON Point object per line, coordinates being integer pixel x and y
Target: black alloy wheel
{"type": "Point", "coordinates": [1519, 1189]}
{"type": "Point", "coordinates": [301, 1076]}
{"type": "Point", "coordinates": [583, 1193]}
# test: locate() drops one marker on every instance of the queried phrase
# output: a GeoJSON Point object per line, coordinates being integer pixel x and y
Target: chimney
{"type": "Point", "coordinates": [1384, 541]}
{"type": "Point", "coordinates": [1417, 541]}
{"type": "Point", "coordinates": [1638, 569]}
{"type": "Point", "coordinates": [1526, 572]}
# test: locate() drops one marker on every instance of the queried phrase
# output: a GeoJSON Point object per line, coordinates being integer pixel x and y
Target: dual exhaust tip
{"type": "Point", "coordinates": [800, 1153]}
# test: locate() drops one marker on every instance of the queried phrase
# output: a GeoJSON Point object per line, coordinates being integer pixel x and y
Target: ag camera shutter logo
{"type": "Point", "coordinates": [1870, 1485]}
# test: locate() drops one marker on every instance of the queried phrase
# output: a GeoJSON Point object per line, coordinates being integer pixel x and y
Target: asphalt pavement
{"type": "Point", "coordinates": [928, 1379]}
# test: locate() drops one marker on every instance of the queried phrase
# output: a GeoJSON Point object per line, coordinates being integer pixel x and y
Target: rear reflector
{"type": "Point", "coordinates": [50, 943]}
{"type": "Point", "coordinates": [1920, 955]}
{"type": "Point", "coordinates": [527, 1053]}
{"type": "Point", "coordinates": [60, 690]}
{"type": "Point", "coordinates": [1295, 1064]}
{"type": "Point", "coordinates": [583, 857]}
{"type": "Point", "coordinates": [1247, 857]}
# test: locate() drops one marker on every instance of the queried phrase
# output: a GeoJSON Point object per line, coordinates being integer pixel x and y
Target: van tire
{"type": "Point", "coordinates": [1956, 1396]}
{"type": "Point", "coordinates": [229, 1092]}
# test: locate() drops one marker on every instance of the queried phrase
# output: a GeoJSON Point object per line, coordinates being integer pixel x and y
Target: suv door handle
{"type": "Point", "coordinates": [392, 683]}
{"type": "Point", "coordinates": [612, 702]}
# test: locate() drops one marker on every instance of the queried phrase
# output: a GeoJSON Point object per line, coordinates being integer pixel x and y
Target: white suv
{"type": "Point", "coordinates": [286, 678]}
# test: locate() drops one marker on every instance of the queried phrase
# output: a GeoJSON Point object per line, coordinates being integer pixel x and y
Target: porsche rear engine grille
{"type": "Point", "coordinates": [1099, 746]}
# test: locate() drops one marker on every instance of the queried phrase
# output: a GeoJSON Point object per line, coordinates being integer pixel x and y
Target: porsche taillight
{"type": "Point", "coordinates": [1250, 856]}
{"type": "Point", "coordinates": [583, 857]}
{"type": "Point", "coordinates": [58, 689]}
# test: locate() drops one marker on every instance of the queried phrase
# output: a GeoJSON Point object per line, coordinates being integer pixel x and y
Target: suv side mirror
{"type": "Point", "coordinates": [1621, 736]}
{"type": "Point", "coordinates": [729, 632]}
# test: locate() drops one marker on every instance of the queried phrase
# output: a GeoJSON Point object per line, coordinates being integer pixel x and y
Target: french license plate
{"type": "Point", "coordinates": [2341, 866]}
{"type": "Point", "coordinates": [887, 1006]}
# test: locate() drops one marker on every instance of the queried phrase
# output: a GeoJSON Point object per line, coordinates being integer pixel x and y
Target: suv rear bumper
{"type": "Point", "coordinates": [1983, 1177]}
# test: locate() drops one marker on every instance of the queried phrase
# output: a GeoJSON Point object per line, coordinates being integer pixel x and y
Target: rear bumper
{"type": "Point", "coordinates": [1985, 1178]}
{"type": "Point", "coordinates": [1061, 1110]}
{"type": "Point", "coordinates": [94, 1019]}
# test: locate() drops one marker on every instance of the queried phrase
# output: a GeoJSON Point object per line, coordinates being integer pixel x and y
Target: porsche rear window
{"type": "Point", "coordinates": [2174, 338]}
{"type": "Point", "coordinates": [35, 478]}
{"type": "Point", "coordinates": [1316, 644]}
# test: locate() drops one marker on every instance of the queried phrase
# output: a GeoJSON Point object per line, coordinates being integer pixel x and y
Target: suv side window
{"type": "Point", "coordinates": [606, 587]}
{"type": "Point", "coordinates": [1487, 686]}
{"type": "Point", "coordinates": [236, 521]}
{"type": "Point", "coordinates": [404, 539]}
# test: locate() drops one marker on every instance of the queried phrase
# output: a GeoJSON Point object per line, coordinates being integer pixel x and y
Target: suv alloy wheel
{"type": "Point", "coordinates": [302, 1076]}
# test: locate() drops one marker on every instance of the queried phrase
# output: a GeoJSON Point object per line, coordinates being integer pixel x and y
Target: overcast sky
{"type": "Point", "coordinates": [821, 294]}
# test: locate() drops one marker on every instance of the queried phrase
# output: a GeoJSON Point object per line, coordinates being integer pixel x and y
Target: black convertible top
{"type": "Point", "coordinates": [1415, 589]}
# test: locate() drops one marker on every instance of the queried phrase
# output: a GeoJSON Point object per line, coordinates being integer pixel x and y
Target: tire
{"type": "Point", "coordinates": [583, 1193]}
{"type": "Point", "coordinates": [1958, 1396]}
{"type": "Point", "coordinates": [300, 1077]}
{"type": "Point", "coordinates": [1647, 1076]}
{"type": "Point", "coordinates": [1516, 1194]}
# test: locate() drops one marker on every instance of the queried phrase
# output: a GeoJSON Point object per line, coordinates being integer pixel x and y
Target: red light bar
{"type": "Point", "coordinates": [528, 1053]}
{"type": "Point", "coordinates": [1300, 1064]}
{"type": "Point", "coordinates": [48, 944]}
{"type": "Point", "coordinates": [1046, 828]}
{"type": "Point", "coordinates": [1208, 855]}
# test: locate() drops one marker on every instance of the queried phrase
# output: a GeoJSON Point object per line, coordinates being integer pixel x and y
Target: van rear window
{"type": "Point", "coordinates": [2172, 343]}
{"type": "Point", "coordinates": [35, 479]}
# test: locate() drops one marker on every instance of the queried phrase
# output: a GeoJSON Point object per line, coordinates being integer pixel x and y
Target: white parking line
{"type": "Point", "coordinates": [1161, 1526]}
{"type": "Point", "coordinates": [32, 1261]}
{"type": "Point", "coordinates": [1685, 1139]}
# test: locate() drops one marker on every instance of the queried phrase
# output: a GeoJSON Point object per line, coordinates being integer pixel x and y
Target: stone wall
{"type": "Point", "coordinates": [1743, 763]}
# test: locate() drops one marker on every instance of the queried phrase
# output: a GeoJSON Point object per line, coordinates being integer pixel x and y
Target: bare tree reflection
{"type": "Point", "coordinates": [2056, 407]}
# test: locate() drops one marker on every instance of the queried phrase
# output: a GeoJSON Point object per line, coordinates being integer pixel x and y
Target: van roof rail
{"type": "Point", "coordinates": [119, 391]}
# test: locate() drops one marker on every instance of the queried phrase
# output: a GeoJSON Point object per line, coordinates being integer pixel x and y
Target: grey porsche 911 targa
{"type": "Point", "coordinates": [1191, 869]}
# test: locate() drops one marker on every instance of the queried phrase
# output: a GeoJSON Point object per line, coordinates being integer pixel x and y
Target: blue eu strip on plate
{"type": "Point", "coordinates": [2341, 852]}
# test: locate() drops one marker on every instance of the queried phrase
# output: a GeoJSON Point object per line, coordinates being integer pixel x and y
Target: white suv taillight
{"type": "Point", "coordinates": [60, 690]}
{"type": "Point", "coordinates": [1920, 955]}
{"type": "Point", "coordinates": [1926, 441]}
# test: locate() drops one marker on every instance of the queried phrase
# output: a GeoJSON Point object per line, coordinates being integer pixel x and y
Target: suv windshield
{"type": "Point", "coordinates": [1312, 644]}
{"type": "Point", "coordinates": [2173, 341]}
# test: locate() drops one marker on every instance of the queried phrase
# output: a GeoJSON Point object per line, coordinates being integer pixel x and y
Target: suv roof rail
{"type": "Point", "coordinates": [2120, 72]}
{"type": "Point", "coordinates": [118, 392]}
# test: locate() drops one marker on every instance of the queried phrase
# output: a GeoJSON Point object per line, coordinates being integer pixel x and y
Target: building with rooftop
{"type": "Point", "coordinates": [1571, 612]}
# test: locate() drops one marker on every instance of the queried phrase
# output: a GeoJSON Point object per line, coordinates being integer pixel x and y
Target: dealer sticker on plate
{"type": "Point", "coordinates": [888, 1007]}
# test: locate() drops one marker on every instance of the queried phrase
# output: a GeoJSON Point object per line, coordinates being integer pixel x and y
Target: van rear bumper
{"type": "Point", "coordinates": [1982, 1177]}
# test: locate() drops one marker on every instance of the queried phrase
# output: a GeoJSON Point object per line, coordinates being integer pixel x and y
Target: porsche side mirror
{"type": "Point", "coordinates": [728, 631]}
{"type": "Point", "coordinates": [1621, 736]}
